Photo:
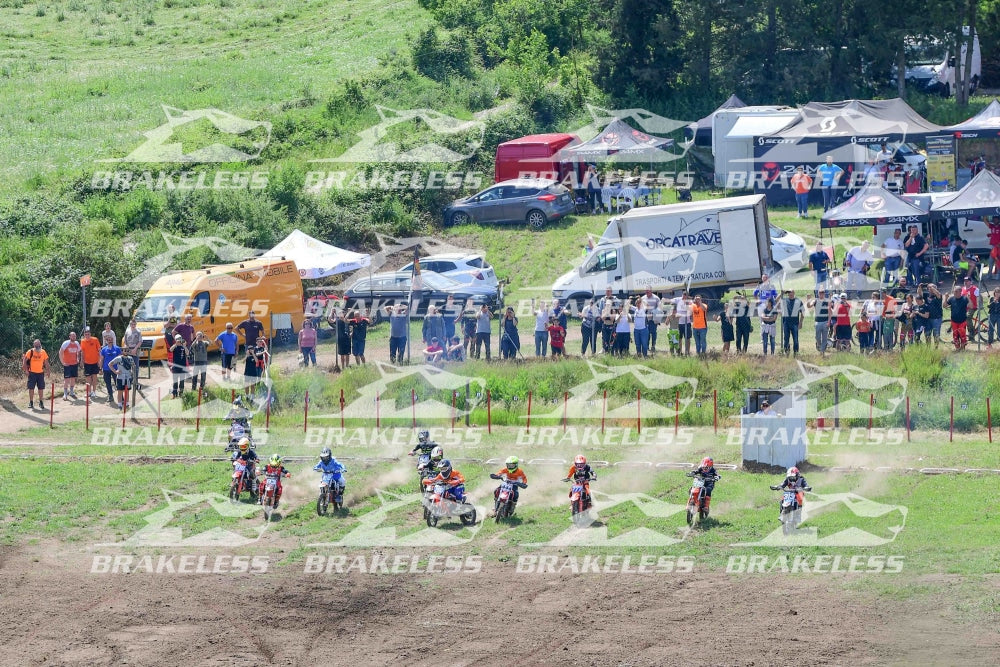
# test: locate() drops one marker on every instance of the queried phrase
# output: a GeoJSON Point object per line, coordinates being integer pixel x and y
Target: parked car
{"type": "Point", "coordinates": [389, 289]}
{"type": "Point", "coordinates": [532, 200]}
{"type": "Point", "coordinates": [788, 250]}
{"type": "Point", "coordinates": [467, 269]}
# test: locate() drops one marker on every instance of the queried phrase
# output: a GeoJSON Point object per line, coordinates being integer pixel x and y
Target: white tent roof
{"type": "Point", "coordinates": [747, 127]}
{"type": "Point", "coordinates": [316, 259]}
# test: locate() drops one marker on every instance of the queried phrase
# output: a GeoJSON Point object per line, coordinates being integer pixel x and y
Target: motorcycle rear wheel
{"type": "Point", "coordinates": [234, 492]}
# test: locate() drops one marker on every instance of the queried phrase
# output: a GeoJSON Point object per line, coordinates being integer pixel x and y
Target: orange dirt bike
{"type": "Point", "coordinates": [503, 506]}
{"type": "Point", "coordinates": [242, 480]}
{"type": "Point", "coordinates": [579, 500]}
{"type": "Point", "coordinates": [269, 498]}
{"type": "Point", "coordinates": [698, 501]}
{"type": "Point", "coordinates": [444, 502]}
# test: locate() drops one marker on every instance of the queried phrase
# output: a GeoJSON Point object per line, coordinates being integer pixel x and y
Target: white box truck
{"type": "Point", "coordinates": [704, 247]}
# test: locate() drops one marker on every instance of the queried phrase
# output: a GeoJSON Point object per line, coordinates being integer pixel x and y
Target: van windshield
{"type": "Point", "coordinates": [925, 52]}
{"type": "Point", "coordinates": [161, 307]}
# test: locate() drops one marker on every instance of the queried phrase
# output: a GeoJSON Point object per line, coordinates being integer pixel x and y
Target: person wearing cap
{"type": "Point", "coordinates": [178, 365]}
{"type": "Point", "coordinates": [766, 410]}
{"type": "Point", "coordinates": [802, 183]}
{"type": "Point", "coordinates": [971, 292]}
{"type": "Point", "coordinates": [229, 343]}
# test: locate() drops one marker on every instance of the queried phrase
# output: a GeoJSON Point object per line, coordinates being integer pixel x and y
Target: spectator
{"type": "Point", "coordinates": [69, 357]}
{"type": "Point", "coordinates": [682, 316]}
{"type": "Point", "coordinates": [186, 330]}
{"type": "Point", "coordinates": [725, 320]}
{"type": "Point", "coordinates": [791, 321]}
{"type": "Point", "coordinates": [821, 312]}
{"type": "Point", "coordinates": [456, 351]}
{"type": "Point", "coordinates": [959, 306]}
{"type": "Point", "coordinates": [252, 329]}
{"type": "Point", "coordinates": [588, 327]}
{"type": "Point", "coordinates": [483, 330]}
{"type": "Point", "coordinates": [36, 364]}
{"type": "Point", "coordinates": [921, 320]}
{"type": "Point", "coordinates": [307, 343]}
{"type": "Point", "coordinates": [654, 317]}
{"type": "Point", "coordinates": [541, 329]}
{"type": "Point", "coordinates": [557, 335]}
{"type": "Point", "coordinates": [450, 312]}
{"type": "Point", "coordinates": [178, 367]}
{"type": "Point", "coordinates": [767, 324]}
{"type": "Point", "coordinates": [935, 308]}
{"type": "Point", "coordinates": [766, 290]}
{"type": "Point", "coordinates": [359, 336]}
{"type": "Point", "coordinates": [108, 331]}
{"type": "Point", "coordinates": [843, 328]}
{"type": "Point", "coordinates": [91, 361]}
{"type": "Point", "coordinates": [261, 359]}
{"type": "Point", "coordinates": [901, 290]}
{"type": "Point", "coordinates": [433, 326]}
{"type": "Point", "coordinates": [640, 327]}
{"type": "Point", "coordinates": [593, 184]}
{"type": "Point", "coordinates": [994, 263]}
{"type": "Point", "coordinates": [561, 314]}
{"type": "Point", "coordinates": [623, 333]}
{"type": "Point", "coordinates": [108, 352]}
{"type": "Point", "coordinates": [699, 326]}
{"type": "Point", "coordinates": [199, 360]}
{"type": "Point", "coordinates": [766, 410]}
{"type": "Point", "coordinates": [994, 312]}
{"type": "Point", "coordinates": [889, 321]}
{"type": "Point", "coordinates": [608, 321]}
{"type": "Point", "coordinates": [131, 344]}
{"type": "Point", "coordinates": [857, 262]}
{"type": "Point", "coordinates": [829, 177]}
{"type": "Point", "coordinates": [904, 315]}
{"type": "Point", "coordinates": [124, 368]}
{"type": "Point", "coordinates": [802, 183]}
{"type": "Point", "coordinates": [510, 339]}
{"type": "Point", "coordinates": [873, 307]}
{"type": "Point", "coordinates": [819, 263]}
{"type": "Point", "coordinates": [971, 292]}
{"type": "Point", "coordinates": [434, 353]}
{"type": "Point", "coordinates": [744, 325]}
{"type": "Point", "coordinates": [342, 329]}
{"type": "Point", "coordinates": [607, 302]}
{"type": "Point", "coordinates": [865, 337]}
{"type": "Point", "coordinates": [168, 337]}
{"type": "Point", "coordinates": [892, 250]}
{"type": "Point", "coordinates": [915, 247]}
{"type": "Point", "coordinates": [229, 344]}
{"type": "Point", "coordinates": [468, 330]}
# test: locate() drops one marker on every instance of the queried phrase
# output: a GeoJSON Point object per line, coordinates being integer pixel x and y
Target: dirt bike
{"type": "Point", "coordinates": [790, 508]}
{"type": "Point", "coordinates": [442, 506]}
{"type": "Point", "coordinates": [331, 492]}
{"type": "Point", "coordinates": [269, 499]}
{"type": "Point", "coordinates": [579, 501]}
{"type": "Point", "coordinates": [503, 506]}
{"type": "Point", "coordinates": [697, 507]}
{"type": "Point", "coordinates": [239, 429]}
{"type": "Point", "coordinates": [424, 470]}
{"type": "Point", "coordinates": [242, 480]}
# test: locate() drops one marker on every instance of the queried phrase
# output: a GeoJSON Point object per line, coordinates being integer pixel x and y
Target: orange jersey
{"type": "Point", "coordinates": [516, 476]}
{"type": "Point", "coordinates": [91, 350]}
{"type": "Point", "coordinates": [801, 183]}
{"type": "Point", "coordinates": [698, 316]}
{"type": "Point", "coordinates": [454, 479]}
{"type": "Point", "coordinates": [35, 361]}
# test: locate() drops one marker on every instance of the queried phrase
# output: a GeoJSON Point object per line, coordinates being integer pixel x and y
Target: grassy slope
{"type": "Point", "coordinates": [81, 89]}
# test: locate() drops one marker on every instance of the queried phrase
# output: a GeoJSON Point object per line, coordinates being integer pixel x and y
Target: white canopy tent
{"type": "Point", "coordinates": [316, 259]}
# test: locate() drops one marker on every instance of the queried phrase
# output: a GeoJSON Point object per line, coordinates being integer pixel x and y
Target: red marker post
{"type": "Point", "coordinates": [677, 412]}
{"type": "Point", "coordinates": [159, 414]}
{"type": "Point", "coordinates": [715, 410]}
{"type": "Point", "coordinates": [528, 429]}
{"type": "Point", "coordinates": [197, 418]}
{"type": "Point", "coordinates": [454, 399]}
{"type": "Point", "coordinates": [86, 405]}
{"type": "Point", "coordinates": [989, 419]}
{"type": "Point", "coordinates": [52, 403]}
{"type": "Point", "coordinates": [267, 411]}
{"type": "Point", "coordinates": [951, 425]}
{"type": "Point", "coordinates": [489, 411]}
{"type": "Point", "coordinates": [871, 410]}
{"type": "Point", "coordinates": [907, 418]}
{"type": "Point", "coordinates": [604, 409]}
{"type": "Point", "coordinates": [565, 409]}
{"type": "Point", "coordinates": [638, 411]}
{"type": "Point", "coordinates": [378, 418]}
{"type": "Point", "coordinates": [342, 404]}
{"type": "Point", "coordinates": [305, 413]}
{"type": "Point", "coordinates": [413, 405]}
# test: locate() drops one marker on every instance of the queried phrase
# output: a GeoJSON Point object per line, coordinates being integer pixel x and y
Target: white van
{"type": "Point", "coordinates": [931, 68]}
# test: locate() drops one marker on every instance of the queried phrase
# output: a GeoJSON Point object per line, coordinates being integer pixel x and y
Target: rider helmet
{"type": "Point", "coordinates": [275, 460]}
{"type": "Point", "coordinates": [792, 473]}
{"type": "Point", "coordinates": [238, 403]}
{"type": "Point", "coordinates": [325, 455]}
{"type": "Point", "coordinates": [512, 463]}
{"type": "Point", "coordinates": [244, 445]}
{"type": "Point", "coordinates": [707, 462]}
{"type": "Point", "coordinates": [580, 461]}
{"type": "Point", "coordinates": [445, 468]}
{"type": "Point", "coordinates": [424, 436]}
{"type": "Point", "coordinates": [437, 453]}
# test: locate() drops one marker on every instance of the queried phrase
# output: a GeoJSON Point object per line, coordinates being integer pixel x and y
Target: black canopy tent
{"type": "Point", "coordinates": [871, 206]}
{"type": "Point", "coordinates": [980, 198]}
{"type": "Point", "coordinates": [701, 130]}
{"type": "Point", "coordinates": [620, 140]}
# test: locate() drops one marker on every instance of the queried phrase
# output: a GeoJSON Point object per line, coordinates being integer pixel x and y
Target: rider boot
{"type": "Point", "coordinates": [708, 503]}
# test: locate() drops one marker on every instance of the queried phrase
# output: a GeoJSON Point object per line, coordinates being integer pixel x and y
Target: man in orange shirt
{"type": "Point", "coordinates": [91, 360]}
{"type": "Point", "coordinates": [699, 323]}
{"type": "Point", "coordinates": [36, 363]}
{"type": "Point", "coordinates": [69, 357]}
{"type": "Point", "coordinates": [802, 184]}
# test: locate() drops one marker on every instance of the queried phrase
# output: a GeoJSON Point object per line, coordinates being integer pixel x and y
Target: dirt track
{"type": "Point", "coordinates": [55, 612]}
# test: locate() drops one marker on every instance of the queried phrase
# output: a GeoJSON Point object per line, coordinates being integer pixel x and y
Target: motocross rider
{"type": "Point", "coordinates": [706, 470]}
{"type": "Point", "coordinates": [273, 467]}
{"type": "Point", "coordinates": [793, 481]}
{"type": "Point", "coordinates": [514, 474]}
{"type": "Point", "coordinates": [425, 445]}
{"type": "Point", "coordinates": [249, 458]}
{"type": "Point", "coordinates": [450, 478]}
{"type": "Point", "coordinates": [238, 417]}
{"type": "Point", "coordinates": [329, 465]}
{"type": "Point", "coordinates": [581, 472]}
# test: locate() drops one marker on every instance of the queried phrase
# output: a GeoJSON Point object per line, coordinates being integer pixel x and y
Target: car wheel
{"type": "Point", "coordinates": [536, 218]}
{"type": "Point", "coordinates": [460, 218]}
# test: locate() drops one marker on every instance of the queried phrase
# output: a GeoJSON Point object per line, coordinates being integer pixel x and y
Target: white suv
{"type": "Point", "coordinates": [466, 269]}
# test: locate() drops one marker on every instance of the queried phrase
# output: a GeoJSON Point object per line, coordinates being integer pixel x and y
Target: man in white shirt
{"type": "Point", "coordinates": [653, 316]}
{"type": "Point", "coordinates": [682, 313]}
{"type": "Point", "coordinates": [766, 410]}
{"type": "Point", "coordinates": [892, 250]}
{"type": "Point", "coordinates": [857, 260]}
{"type": "Point", "coordinates": [541, 329]}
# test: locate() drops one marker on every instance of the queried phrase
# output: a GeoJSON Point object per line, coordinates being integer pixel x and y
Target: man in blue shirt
{"type": "Point", "coordinates": [228, 344]}
{"type": "Point", "coordinates": [108, 352]}
{"type": "Point", "coordinates": [819, 263]}
{"type": "Point", "coordinates": [829, 178]}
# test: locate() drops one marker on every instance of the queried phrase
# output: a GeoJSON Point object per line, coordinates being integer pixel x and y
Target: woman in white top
{"type": "Point", "coordinates": [641, 328]}
{"type": "Point", "coordinates": [682, 312]}
{"type": "Point", "coordinates": [623, 335]}
{"type": "Point", "coordinates": [541, 329]}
